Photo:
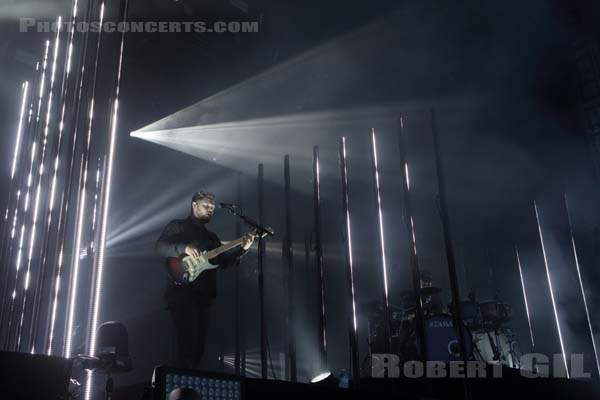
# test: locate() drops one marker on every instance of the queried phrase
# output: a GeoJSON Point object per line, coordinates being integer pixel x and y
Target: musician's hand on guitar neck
{"type": "Point", "coordinates": [192, 251]}
{"type": "Point", "coordinates": [247, 241]}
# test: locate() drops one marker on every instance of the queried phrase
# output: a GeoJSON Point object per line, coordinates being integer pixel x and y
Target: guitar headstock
{"type": "Point", "coordinates": [257, 233]}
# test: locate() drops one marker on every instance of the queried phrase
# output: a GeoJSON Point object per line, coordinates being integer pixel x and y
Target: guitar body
{"type": "Point", "coordinates": [186, 269]}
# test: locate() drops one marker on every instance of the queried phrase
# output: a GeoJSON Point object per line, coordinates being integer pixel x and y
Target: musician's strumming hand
{"type": "Point", "coordinates": [247, 241]}
{"type": "Point", "coordinates": [192, 251]}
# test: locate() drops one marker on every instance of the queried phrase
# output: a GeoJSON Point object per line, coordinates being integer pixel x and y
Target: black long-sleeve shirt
{"type": "Point", "coordinates": [185, 232]}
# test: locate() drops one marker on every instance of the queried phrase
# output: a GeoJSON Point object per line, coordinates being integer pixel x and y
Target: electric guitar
{"type": "Point", "coordinates": [185, 269]}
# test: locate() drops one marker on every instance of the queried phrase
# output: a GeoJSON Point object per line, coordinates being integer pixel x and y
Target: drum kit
{"type": "Point", "coordinates": [488, 335]}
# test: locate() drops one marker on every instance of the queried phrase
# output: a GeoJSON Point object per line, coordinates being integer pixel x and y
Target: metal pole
{"type": "Point", "coordinates": [445, 219]}
{"type": "Point", "coordinates": [524, 296]}
{"type": "Point", "coordinates": [347, 238]}
{"type": "Point", "coordinates": [289, 259]}
{"type": "Point", "coordinates": [238, 305]}
{"type": "Point", "coordinates": [560, 338]}
{"type": "Point", "coordinates": [308, 298]}
{"type": "Point", "coordinates": [409, 223]}
{"type": "Point", "coordinates": [587, 312]}
{"type": "Point", "coordinates": [261, 278]}
{"type": "Point", "coordinates": [377, 194]}
{"type": "Point", "coordinates": [319, 261]}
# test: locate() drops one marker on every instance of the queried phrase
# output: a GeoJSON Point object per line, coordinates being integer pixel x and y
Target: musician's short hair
{"type": "Point", "coordinates": [201, 195]}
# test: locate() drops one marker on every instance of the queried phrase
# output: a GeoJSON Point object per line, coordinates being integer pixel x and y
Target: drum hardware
{"type": "Point", "coordinates": [494, 312]}
{"type": "Point", "coordinates": [488, 338]}
{"type": "Point", "coordinates": [497, 347]}
{"type": "Point", "coordinates": [430, 290]}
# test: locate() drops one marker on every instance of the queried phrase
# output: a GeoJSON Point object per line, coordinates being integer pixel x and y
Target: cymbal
{"type": "Point", "coordinates": [428, 291]}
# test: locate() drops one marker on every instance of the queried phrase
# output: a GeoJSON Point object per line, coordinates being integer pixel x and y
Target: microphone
{"type": "Point", "coordinates": [227, 205]}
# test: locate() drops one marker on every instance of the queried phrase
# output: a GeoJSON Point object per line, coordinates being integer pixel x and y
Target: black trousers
{"type": "Point", "coordinates": [191, 317]}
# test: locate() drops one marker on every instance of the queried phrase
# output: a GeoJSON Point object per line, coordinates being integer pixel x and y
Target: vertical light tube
{"type": "Point", "coordinates": [44, 244]}
{"type": "Point", "coordinates": [8, 231]}
{"type": "Point", "coordinates": [321, 321]}
{"type": "Point", "coordinates": [524, 296]}
{"type": "Point", "coordinates": [352, 326]}
{"type": "Point", "coordinates": [387, 335]}
{"type": "Point", "coordinates": [105, 205]}
{"type": "Point", "coordinates": [261, 275]}
{"type": "Point", "coordinates": [19, 132]}
{"type": "Point", "coordinates": [349, 234]}
{"type": "Point", "coordinates": [32, 236]}
{"type": "Point", "coordinates": [81, 215]}
{"type": "Point", "coordinates": [585, 304]}
{"type": "Point", "coordinates": [380, 215]}
{"type": "Point", "coordinates": [32, 160]}
{"type": "Point", "coordinates": [288, 256]}
{"type": "Point", "coordinates": [407, 216]}
{"type": "Point", "coordinates": [560, 338]}
{"type": "Point", "coordinates": [63, 215]}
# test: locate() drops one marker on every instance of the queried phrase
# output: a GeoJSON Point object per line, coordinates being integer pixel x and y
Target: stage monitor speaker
{"type": "Point", "coordinates": [25, 376]}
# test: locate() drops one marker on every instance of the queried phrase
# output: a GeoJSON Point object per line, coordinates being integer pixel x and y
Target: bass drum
{"type": "Point", "coordinates": [441, 337]}
{"type": "Point", "coordinates": [497, 348]}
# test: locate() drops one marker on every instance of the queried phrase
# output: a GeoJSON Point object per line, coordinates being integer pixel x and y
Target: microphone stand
{"type": "Point", "coordinates": [260, 230]}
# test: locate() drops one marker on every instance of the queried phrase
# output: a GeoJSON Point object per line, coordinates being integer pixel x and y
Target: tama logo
{"type": "Point", "coordinates": [441, 324]}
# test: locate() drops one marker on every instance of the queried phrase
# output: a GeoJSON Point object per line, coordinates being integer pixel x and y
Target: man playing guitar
{"type": "Point", "coordinates": [186, 244]}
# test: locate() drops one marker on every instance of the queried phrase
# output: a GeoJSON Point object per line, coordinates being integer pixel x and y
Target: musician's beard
{"type": "Point", "coordinates": [204, 219]}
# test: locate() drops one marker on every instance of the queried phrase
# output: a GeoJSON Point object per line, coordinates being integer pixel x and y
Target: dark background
{"type": "Point", "coordinates": [503, 81]}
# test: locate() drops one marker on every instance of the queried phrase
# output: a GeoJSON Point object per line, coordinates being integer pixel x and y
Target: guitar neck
{"type": "Point", "coordinates": [222, 249]}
